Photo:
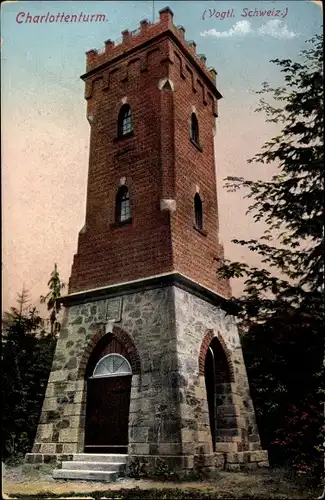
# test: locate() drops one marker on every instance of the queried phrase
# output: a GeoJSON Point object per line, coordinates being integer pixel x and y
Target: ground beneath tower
{"type": "Point", "coordinates": [31, 480]}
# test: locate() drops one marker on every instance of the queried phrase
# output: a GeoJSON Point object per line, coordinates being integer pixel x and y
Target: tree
{"type": "Point", "coordinates": [27, 355]}
{"type": "Point", "coordinates": [282, 318]}
{"type": "Point", "coordinates": [50, 299]}
{"type": "Point", "coordinates": [16, 313]}
{"type": "Point", "coordinates": [26, 362]}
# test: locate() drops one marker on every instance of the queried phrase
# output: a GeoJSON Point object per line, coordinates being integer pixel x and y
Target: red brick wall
{"type": "Point", "coordinates": [194, 253]}
{"type": "Point", "coordinates": [158, 162]}
{"type": "Point", "coordinates": [108, 255]}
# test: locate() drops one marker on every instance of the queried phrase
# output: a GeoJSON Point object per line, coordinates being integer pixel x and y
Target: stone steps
{"type": "Point", "coordinates": [99, 457]}
{"type": "Point", "coordinates": [92, 467]}
{"type": "Point", "coordinates": [101, 466]}
{"type": "Point", "coordinates": [85, 475]}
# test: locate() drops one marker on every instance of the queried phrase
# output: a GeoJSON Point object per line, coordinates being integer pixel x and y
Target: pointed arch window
{"type": "Point", "coordinates": [198, 211]}
{"type": "Point", "coordinates": [125, 124]}
{"type": "Point", "coordinates": [122, 206]}
{"type": "Point", "coordinates": [194, 131]}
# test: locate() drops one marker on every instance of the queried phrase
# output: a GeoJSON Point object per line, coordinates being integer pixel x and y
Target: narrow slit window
{"type": "Point", "coordinates": [198, 211]}
{"type": "Point", "coordinates": [125, 125]}
{"type": "Point", "coordinates": [194, 129]}
{"type": "Point", "coordinates": [123, 210]}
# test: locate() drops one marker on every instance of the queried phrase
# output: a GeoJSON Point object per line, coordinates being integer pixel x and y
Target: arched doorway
{"type": "Point", "coordinates": [109, 376]}
{"type": "Point", "coordinates": [217, 382]}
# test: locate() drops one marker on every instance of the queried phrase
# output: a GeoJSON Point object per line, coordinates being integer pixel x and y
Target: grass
{"type": "Point", "coordinates": [31, 482]}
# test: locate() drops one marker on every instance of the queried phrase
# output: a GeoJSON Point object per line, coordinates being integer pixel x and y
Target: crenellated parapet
{"type": "Point", "coordinates": [131, 41]}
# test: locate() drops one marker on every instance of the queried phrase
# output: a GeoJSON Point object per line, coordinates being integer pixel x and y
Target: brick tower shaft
{"type": "Point", "coordinates": [165, 160]}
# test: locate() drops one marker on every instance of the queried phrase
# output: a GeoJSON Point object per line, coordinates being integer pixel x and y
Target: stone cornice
{"type": "Point", "coordinates": [152, 282]}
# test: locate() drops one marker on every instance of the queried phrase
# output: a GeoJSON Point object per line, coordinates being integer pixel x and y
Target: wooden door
{"type": "Point", "coordinates": [107, 414]}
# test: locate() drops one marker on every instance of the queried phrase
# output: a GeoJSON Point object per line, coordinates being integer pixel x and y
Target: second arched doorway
{"type": "Point", "coordinates": [109, 378]}
{"type": "Point", "coordinates": [218, 388]}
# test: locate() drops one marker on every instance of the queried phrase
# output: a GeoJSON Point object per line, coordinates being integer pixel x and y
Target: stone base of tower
{"type": "Point", "coordinates": [205, 464]}
{"type": "Point", "coordinates": [189, 403]}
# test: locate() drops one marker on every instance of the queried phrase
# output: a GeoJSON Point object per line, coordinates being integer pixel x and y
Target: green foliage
{"type": "Point", "coordinates": [51, 298]}
{"type": "Point", "coordinates": [282, 356]}
{"type": "Point", "coordinates": [138, 469]}
{"type": "Point", "coordinates": [27, 353]}
{"type": "Point", "coordinates": [282, 318]}
{"type": "Point", "coordinates": [163, 471]}
{"type": "Point", "coordinates": [159, 494]}
{"type": "Point", "coordinates": [132, 494]}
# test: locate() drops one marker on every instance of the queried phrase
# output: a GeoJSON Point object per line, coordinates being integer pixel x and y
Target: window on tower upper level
{"type": "Point", "coordinates": [198, 211]}
{"type": "Point", "coordinates": [194, 133]}
{"type": "Point", "coordinates": [122, 206]}
{"type": "Point", "coordinates": [124, 125]}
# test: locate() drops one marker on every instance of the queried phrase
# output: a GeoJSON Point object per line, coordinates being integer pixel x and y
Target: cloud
{"type": "Point", "coordinates": [277, 29]}
{"type": "Point", "coordinates": [274, 28]}
{"type": "Point", "coordinates": [241, 28]}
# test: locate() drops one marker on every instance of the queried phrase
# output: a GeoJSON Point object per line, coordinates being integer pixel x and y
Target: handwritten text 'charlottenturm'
{"type": "Point", "coordinates": [230, 13]}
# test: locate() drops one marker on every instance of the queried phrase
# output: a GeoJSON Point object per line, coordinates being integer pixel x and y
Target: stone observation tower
{"type": "Point", "coordinates": [148, 364]}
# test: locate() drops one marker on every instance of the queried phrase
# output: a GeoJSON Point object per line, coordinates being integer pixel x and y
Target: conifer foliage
{"type": "Point", "coordinates": [51, 298]}
{"type": "Point", "coordinates": [281, 309]}
{"type": "Point", "coordinates": [27, 354]}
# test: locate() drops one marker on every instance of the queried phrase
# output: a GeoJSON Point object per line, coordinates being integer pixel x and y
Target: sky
{"type": "Point", "coordinates": [45, 134]}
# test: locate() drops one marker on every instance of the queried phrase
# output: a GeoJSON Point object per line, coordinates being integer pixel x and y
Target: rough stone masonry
{"type": "Point", "coordinates": [171, 328]}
